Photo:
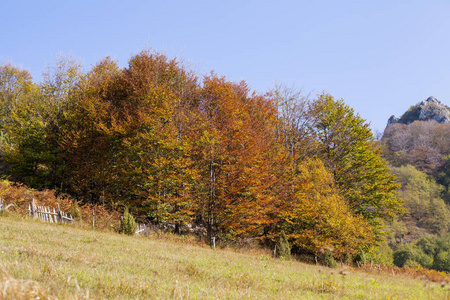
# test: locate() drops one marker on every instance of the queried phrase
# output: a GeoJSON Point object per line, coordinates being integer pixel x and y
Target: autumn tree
{"type": "Point", "coordinates": [345, 143]}
{"type": "Point", "coordinates": [158, 87]}
{"type": "Point", "coordinates": [33, 134]}
{"type": "Point", "coordinates": [88, 139]}
{"type": "Point", "coordinates": [15, 84]}
{"type": "Point", "coordinates": [122, 139]}
{"type": "Point", "coordinates": [235, 152]}
{"type": "Point", "coordinates": [151, 136]}
{"type": "Point", "coordinates": [315, 216]}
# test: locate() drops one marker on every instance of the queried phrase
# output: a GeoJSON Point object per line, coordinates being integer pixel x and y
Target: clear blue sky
{"type": "Point", "coordinates": [379, 56]}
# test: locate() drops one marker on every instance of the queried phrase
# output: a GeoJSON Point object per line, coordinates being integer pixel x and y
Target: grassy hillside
{"type": "Point", "coordinates": [68, 262]}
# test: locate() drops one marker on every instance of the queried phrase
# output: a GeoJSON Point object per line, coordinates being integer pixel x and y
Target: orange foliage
{"type": "Point", "coordinates": [21, 197]}
{"type": "Point", "coordinates": [419, 272]}
{"type": "Point", "coordinates": [235, 152]}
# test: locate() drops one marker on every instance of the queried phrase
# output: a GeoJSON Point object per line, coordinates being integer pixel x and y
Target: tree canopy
{"type": "Point", "coordinates": [181, 150]}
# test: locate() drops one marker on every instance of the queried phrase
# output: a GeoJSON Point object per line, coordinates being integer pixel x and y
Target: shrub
{"type": "Point", "coordinates": [283, 248]}
{"type": "Point", "coordinates": [346, 258]}
{"type": "Point", "coordinates": [128, 224]}
{"type": "Point", "coordinates": [411, 256]}
{"type": "Point", "coordinates": [328, 259]}
{"type": "Point", "coordinates": [401, 257]}
{"type": "Point", "coordinates": [361, 257]}
{"type": "Point", "coordinates": [442, 261]}
{"type": "Point", "coordinates": [382, 254]}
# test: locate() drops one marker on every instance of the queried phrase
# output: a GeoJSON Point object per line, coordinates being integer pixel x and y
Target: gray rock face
{"type": "Point", "coordinates": [393, 119]}
{"type": "Point", "coordinates": [429, 109]}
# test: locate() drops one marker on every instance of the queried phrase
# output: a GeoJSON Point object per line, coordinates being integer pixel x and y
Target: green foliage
{"type": "Point", "coordinates": [346, 258]}
{"type": "Point", "coordinates": [15, 86]}
{"type": "Point", "coordinates": [441, 247]}
{"type": "Point", "coordinates": [283, 247]}
{"type": "Point", "coordinates": [361, 257]}
{"type": "Point", "coordinates": [381, 254]}
{"type": "Point", "coordinates": [328, 259]}
{"type": "Point", "coordinates": [412, 256]}
{"type": "Point", "coordinates": [443, 178]}
{"type": "Point", "coordinates": [424, 207]}
{"type": "Point", "coordinates": [442, 261]}
{"type": "Point", "coordinates": [128, 224]}
{"type": "Point", "coordinates": [33, 130]}
{"type": "Point", "coordinates": [396, 230]}
{"type": "Point", "coordinates": [430, 252]}
{"type": "Point", "coordinates": [346, 145]}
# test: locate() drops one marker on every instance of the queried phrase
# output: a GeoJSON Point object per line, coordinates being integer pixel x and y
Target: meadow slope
{"type": "Point", "coordinates": [69, 262]}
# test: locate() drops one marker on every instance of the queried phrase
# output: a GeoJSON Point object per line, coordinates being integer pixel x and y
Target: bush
{"type": "Point", "coordinates": [412, 256]}
{"type": "Point", "coordinates": [442, 261]}
{"type": "Point", "coordinates": [283, 248]}
{"type": "Point", "coordinates": [382, 254]}
{"type": "Point", "coordinates": [346, 258]}
{"type": "Point", "coordinates": [361, 257]}
{"type": "Point", "coordinates": [128, 224]}
{"type": "Point", "coordinates": [401, 257]}
{"type": "Point", "coordinates": [328, 259]}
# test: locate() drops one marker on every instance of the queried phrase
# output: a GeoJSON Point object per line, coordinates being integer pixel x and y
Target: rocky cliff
{"type": "Point", "coordinates": [429, 109]}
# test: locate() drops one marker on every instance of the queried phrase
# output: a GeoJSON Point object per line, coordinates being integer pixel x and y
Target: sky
{"type": "Point", "coordinates": [380, 56]}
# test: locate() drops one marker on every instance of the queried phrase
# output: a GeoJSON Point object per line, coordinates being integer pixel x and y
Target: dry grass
{"type": "Point", "coordinates": [67, 262]}
{"type": "Point", "coordinates": [11, 288]}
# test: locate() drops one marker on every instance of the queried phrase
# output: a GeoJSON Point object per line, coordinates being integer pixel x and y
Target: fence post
{"type": "Point", "coordinates": [45, 214]}
{"type": "Point", "coordinates": [33, 209]}
{"type": "Point", "coordinates": [50, 214]}
{"type": "Point", "coordinates": [59, 213]}
{"type": "Point", "coordinates": [93, 218]}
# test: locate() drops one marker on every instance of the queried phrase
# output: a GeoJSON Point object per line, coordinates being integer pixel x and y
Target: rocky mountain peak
{"type": "Point", "coordinates": [432, 99]}
{"type": "Point", "coordinates": [429, 109]}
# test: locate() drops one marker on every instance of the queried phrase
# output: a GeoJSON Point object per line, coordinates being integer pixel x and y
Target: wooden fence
{"type": "Point", "coordinates": [58, 216]}
{"type": "Point", "coordinates": [140, 229]}
{"type": "Point", "coordinates": [45, 214]}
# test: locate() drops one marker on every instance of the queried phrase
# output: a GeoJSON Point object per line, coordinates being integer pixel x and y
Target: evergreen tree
{"type": "Point", "coordinates": [128, 224]}
{"type": "Point", "coordinates": [283, 247]}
